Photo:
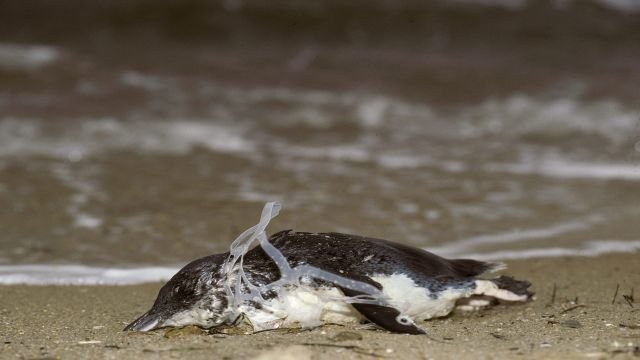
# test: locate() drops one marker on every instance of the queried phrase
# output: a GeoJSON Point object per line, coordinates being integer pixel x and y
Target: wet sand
{"type": "Point", "coordinates": [580, 319]}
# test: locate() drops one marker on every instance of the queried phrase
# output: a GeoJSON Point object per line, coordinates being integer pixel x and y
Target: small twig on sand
{"type": "Point", "coordinates": [498, 336]}
{"type": "Point", "coordinates": [615, 294]}
{"type": "Point", "coordinates": [631, 326]}
{"type": "Point", "coordinates": [553, 294]}
{"type": "Point", "coordinates": [628, 299]}
{"type": "Point", "coordinates": [570, 309]}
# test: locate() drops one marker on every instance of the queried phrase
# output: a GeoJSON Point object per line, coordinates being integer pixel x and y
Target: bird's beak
{"type": "Point", "coordinates": [146, 322]}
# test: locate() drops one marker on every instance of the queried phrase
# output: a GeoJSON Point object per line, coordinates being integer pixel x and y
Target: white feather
{"type": "Point", "coordinates": [414, 300]}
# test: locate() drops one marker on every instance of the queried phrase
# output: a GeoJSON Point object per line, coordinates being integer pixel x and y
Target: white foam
{"type": "Point", "coordinates": [143, 81]}
{"type": "Point", "coordinates": [88, 275]}
{"type": "Point", "coordinates": [391, 129]}
{"type": "Point", "coordinates": [84, 189]}
{"type": "Point", "coordinates": [343, 153]}
{"type": "Point", "coordinates": [372, 112]}
{"type": "Point", "coordinates": [514, 236]}
{"type": "Point", "coordinates": [86, 221]}
{"type": "Point", "coordinates": [400, 161]}
{"type": "Point", "coordinates": [82, 275]}
{"type": "Point", "coordinates": [588, 249]}
{"type": "Point", "coordinates": [85, 138]}
{"type": "Point", "coordinates": [525, 118]}
{"type": "Point", "coordinates": [630, 6]}
{"type": "Point", "coordinates": [27, 57]}
{"type": "Point", "coordinates": [571, 170]}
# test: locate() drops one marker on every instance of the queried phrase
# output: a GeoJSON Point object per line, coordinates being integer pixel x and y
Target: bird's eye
{"type": "Point", "coordinates": [403, 320]}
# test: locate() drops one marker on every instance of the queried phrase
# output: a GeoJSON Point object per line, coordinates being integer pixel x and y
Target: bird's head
{"type": "Point", "coordinates": [193, 296]}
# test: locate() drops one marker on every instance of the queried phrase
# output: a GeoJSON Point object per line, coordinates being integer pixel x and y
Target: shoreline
{"type": "Point", "coordinates": [577, 313]}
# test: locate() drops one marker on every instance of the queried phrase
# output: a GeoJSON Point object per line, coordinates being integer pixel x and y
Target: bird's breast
{"type": "Point", "coordinates": [302, 306]}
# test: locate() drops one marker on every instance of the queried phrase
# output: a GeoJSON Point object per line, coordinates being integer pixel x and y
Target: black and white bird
{"type": "Point", "coordinates": [414, 285]}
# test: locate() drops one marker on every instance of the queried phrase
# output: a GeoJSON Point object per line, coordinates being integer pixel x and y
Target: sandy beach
{"type": "Point", "coordinates": [582, 318]}
{"type": "Point", "coordinates": [139, 135]}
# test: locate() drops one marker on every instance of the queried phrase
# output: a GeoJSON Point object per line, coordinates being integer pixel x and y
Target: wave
{"type": "Point", "coordinates": [558, 168]}
{"type": "Point", "coordinates": [520, 120]}
{"type": "Point", "coordinates": [588, 249]}
{"type": "Point", "coordinates": [624, 6]}
{"type": "Point", "coordinates": [27, 57]}
{"type": "Point", "coordinates": [82, 275]}
{"type": "Point", "coordinates": [88, 275]}
{"type": "Point", "coordinates": [78, 140]}
{"type": "Point", "coordinates": [456, 248]}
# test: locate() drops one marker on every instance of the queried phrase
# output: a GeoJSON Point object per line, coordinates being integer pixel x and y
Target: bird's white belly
{"type": "Point", "coordinates": [306, 307]}
{"type": "Point", "coordinates": [414, 300]}
{"type": "Point", "coordinates": [302, 307]}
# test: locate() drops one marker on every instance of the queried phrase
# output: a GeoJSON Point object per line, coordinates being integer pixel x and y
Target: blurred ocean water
{"type": "Point", "coordinates": [500, 129]}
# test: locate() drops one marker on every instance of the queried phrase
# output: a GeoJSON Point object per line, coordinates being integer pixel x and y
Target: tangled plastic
{"type": "Point", "coordinates": [239, 289]}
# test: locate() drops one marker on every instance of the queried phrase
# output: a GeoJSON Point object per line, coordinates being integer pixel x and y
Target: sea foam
{"type": "Point", "coordinates": [89, 275]}
{"type": "Point", "coordinates": [82, 275]}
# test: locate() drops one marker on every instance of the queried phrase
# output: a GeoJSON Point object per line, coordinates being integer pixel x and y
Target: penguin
{"type": "Point", "coordinates": [415, 285]}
